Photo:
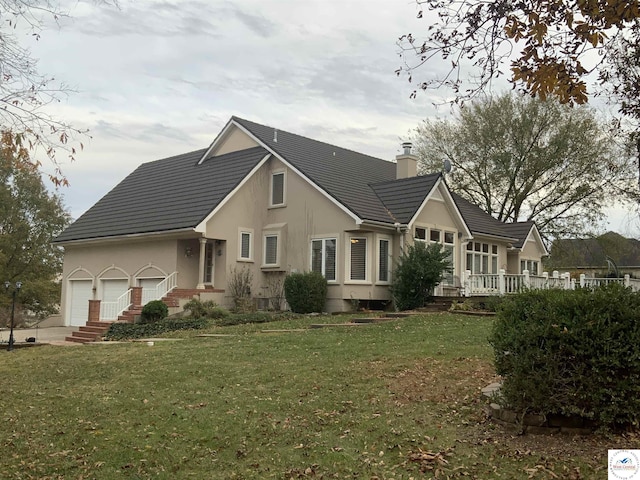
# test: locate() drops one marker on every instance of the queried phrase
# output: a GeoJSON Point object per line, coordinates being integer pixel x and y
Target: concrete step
{"type": "Point", "coordinates": [96, 330]}
{"type": "Point", "coordinates": [101, 323]}
{"type": "Point", "coordinates": [88, 335]}
{"type": "Point", "coordinates": [76, 339]}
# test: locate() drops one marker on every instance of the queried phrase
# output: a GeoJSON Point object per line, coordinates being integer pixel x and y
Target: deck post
{"type": "Point", "coordinates": [545, 276]}
{"type": "Point", "coordinates": [501, 281]}
{"type": "Point", "coordinates": [627, 280]}
{"type": "Point", "coordinates": [567, 281]}
{"type": "Point", "coordinates": [583, 281]}
{"type": "Point", "coordinates": [466, 282]}
{"type": "Point", "coordinates": [526, 280]}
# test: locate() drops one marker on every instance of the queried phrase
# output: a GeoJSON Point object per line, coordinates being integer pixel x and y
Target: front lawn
{"type": "Point", "coordinates": [397, 400]}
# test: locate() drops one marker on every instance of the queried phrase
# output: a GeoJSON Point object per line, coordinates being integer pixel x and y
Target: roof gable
{"type": "Point", "coordinates": [342, 174]}
{"type": "Point", "coordinates": [403, 197]}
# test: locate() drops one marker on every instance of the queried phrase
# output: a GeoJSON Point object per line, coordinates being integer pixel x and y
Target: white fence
{"type": "Point", "coordinates": [503, 283]}
{"type": "Point", "coordinates": [112, 310]}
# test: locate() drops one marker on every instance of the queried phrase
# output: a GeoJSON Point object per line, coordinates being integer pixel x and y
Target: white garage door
{"type": "Point", "coordinates": [80, 295]}
{"type": "Point", "coordinates": [112, 289]}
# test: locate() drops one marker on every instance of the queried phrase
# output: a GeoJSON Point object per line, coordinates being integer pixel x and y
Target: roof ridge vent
{"type": "Point", "coordinates": [275, 135]}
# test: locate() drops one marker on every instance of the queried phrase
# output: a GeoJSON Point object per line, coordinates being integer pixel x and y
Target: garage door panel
{"type": "Point", "coordinates": [112, 289]}
{"type": "Point", "coordinates": [81, 293]}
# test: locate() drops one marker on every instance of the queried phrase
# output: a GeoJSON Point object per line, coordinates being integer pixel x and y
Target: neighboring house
{"type": "Point", "coordinates": [597, 256]}
{"type": "Point", "coordinates": [276, 202]}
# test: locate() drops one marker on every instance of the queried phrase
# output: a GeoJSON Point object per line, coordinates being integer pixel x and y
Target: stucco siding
{"type": "Point", "coordinates": [234, 141]}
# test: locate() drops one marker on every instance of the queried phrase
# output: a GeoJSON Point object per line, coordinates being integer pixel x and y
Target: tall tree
{"type": "Point", "coordinates": [521, 158]}
{"type": "Point", "coordinates": [30, 217]}
{"type": "Point", "coordinates": [25, 92]}
{"type": "Point", "coordinates": [550, 46]}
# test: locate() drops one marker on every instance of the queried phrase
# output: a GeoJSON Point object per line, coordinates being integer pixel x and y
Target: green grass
{"type": "Point", "coordinates": [360, 402]}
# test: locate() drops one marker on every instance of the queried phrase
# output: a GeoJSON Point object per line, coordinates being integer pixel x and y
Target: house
{"type": "Point", "coordinates": [597, 255]}
{"type": "Point", "coordinates": [275, 202]}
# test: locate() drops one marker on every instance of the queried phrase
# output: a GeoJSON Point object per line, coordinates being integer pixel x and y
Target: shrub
{"type": "Point", "coordinates": [418, 272]}
{"type": "Point", "coordinates": [205, 309]}
{"type": "Point", "coordinates": [305, 292]}
{"type": "Point", "coordinates": [571, 353]}
{"type": "Point", "coordinates": [125, 331]}
{"type": "Point", "coordinates": [154, 311]}
{"type": "Point", "coordinates": [239, 286]}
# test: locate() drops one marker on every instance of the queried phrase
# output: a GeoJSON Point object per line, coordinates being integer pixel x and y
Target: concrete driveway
{"type": "Point", "coordinates": [51, 335]}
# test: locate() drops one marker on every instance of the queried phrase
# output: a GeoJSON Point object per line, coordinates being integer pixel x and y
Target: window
{"type": "Point", "coordinates": [384, 263]}
{"type": "Point", "coordinates": [448, 245]}
{"type": "Point", "coordinates": [208, 263]}
{"type": "Point", "coordinates": [482, 258]}
{"type": "Point", "coordinates": [420, 233]}
{"type": "Point", "coordinates": [434, 236]}
{"type": "Point", "coordinates": [277, 189]}
{"type": "Point", "coordinates": [358, 258]}
{"type": "Point", "coordinates": [245, 244]}
{"type": "Point", "coordinates": [531, 265]}
{"type": "Point", "coordinates": [323, 257]}
{"type": "Point", "coordinates": [270, 250]}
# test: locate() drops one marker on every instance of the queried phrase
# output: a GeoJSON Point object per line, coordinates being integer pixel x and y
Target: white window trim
{"type": "Point", "coordinates": [284, 189]}
{"type": "Point", "coordinates": [390, 269]}
{"type": "Point", "coordinates": [264, 249]}
{"type": "Point", "coordinates": [367, 259]}
{"type": "Point", "coordinates": [240, 257]}
{"type": "Point", "coordinates": [323, 239]}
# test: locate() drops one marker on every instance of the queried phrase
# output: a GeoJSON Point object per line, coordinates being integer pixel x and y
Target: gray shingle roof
{"type": "Point", "coordinates": [179, 192]}
{"type": "Point", "coordinates": [478, 220]}
{"type": "Point", "coordinates": [519, 230]}
{"type": "Point", "coordinates": [169, 194]}
{"type": "Point", "coordinates": [403, 197]}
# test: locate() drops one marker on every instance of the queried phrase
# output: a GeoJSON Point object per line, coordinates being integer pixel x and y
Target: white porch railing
{"type": "Point", "coordinates": [112, 310]}
{"type": "Point", "coordinates": [160, 290]}
{"type": "Point", "coordinates": [503, 283]}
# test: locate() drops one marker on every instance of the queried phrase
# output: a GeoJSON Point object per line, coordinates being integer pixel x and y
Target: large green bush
{"type": "Point", "coordinates": [571, 353]}
{"type": "Point", "coordinates": [419, 270]}
{"type": "Point", "coordinates": [305, 292]}
{"type": "Point", "coordinates": [154, 311]}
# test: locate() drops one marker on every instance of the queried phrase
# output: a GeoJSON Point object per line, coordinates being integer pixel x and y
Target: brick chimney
{"type": "Point", "coordinates": [406, 162]}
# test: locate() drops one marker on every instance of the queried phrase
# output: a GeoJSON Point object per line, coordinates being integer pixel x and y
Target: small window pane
{"type": "Point", "coordinates": [494, 264]}
{"type": "Point", "coordinates": [421, 233]}
{"type": "Point", "coordinates": [448, 237]}
{"type": "Point", "coordinates": [470, 262]}
{"type": "Point", "coordinates": [485, 247]}
{"type": "Point", "coordinates": [523, 266]}
{"type": "Point", "coordinates": [485, 264]}
{"type": "Point", "coordinates": [330, 259]}
{"type": "Point", "coordinates": [470, 246]}
{"type": "Point", "coordinates": [271, 250]}
{"type": "Point", "coordinates": [434, 235]}
{"type": "Point", "coordinates": [245, 247]}
{"type": "Point", "coordinates": [358, 258]}
{"type": "Point", "coordinates": [476, 264]}
{"type": "Point", "coordinates": [494, 249]}
{"type": "Point", "coordinates": [476, 246]}
{"type": "Point", "coordinates": [277, 189]}
{"type": "Point", "coordinates": [384, 261]}
{"type": "Point", "coordinates": [316, 256]}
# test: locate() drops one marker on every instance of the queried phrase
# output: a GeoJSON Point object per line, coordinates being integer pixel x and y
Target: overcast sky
{"type": "Point", "coordinates": [155, 78]}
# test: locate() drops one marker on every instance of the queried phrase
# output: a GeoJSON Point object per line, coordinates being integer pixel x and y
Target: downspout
{"type": "Point", "coordinates": [401, 230]}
